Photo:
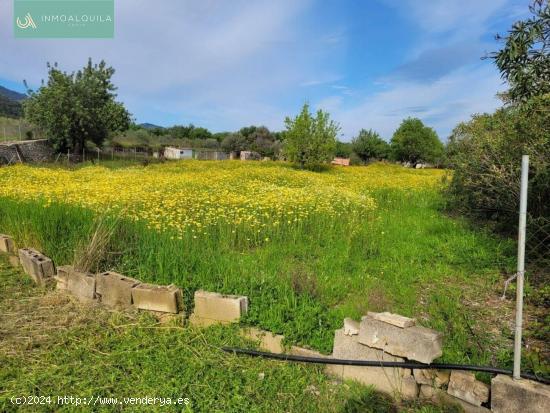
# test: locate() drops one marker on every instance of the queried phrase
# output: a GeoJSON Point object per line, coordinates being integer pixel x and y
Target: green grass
{"type": "Point", "coordinates": [53, 346]}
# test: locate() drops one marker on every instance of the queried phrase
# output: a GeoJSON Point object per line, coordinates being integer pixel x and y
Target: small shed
{"type": "Point", "coordinates": [341, 161]}
{"type": "Point", "coordinates": [171, 152]}
{"type": "Point", "coordinates": [250, 156]}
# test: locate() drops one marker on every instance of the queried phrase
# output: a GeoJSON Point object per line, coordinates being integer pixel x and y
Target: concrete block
{"type": "Point", "coordinates": [266, 339]}
{"type": "Point", "coordinates": [212, 308]}
{"type": "Point", "coordinates": [441, 397]}
{"type": "Point", "coordinates": [62, 277]}
{"type": "Point", "coordinates": [306, 352]}
{"type": "Point", "coordinates": [14, 260]}
{"type": "Point", "coordinates": [6, 244]}
{"type": "Point", "coordinates": [463, 385]}
{"type": "Point", "coordinates": [511, 396]}
{"type": "Point", "coordinates": [162, 298]}
{"type": "Point", "coordinates": [435, 378]}
{"type": "Point", "coordinates": [37, 265]}
{"type": "Point", "coordinates": [414, 343]}
{"type": "Point", "coordinates": [114, 289]}
{"type": "Point", "coordinates": [351, 327]}
{"type": "Point", "coordinates": [81, 285]}
{"type": "Point", "coordinates": [393, 319]}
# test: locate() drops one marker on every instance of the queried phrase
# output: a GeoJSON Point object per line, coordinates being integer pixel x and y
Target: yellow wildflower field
{"type": "Point", "coordinates": [190, 196]}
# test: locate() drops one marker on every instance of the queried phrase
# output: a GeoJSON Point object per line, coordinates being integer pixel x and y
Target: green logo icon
{"type": "Point", "coordinates": [63, 18]}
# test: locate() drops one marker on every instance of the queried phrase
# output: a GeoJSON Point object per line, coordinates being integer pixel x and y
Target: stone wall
{"type": "Point", "coordinates": [25, 151]}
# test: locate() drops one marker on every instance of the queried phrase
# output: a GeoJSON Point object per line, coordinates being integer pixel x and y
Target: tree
{"type": "Point", "coordinates": [524, 61]}
{"type": "Point", "coordinates": [413, 142]}
{"type": "Point", "coordinates": [343, 149]}
{"type": "Point", "coordinates": [310, 141]}
{"type": "Point", "coordinates": [73, 108]}
{"type": "Point", "coordinates": [368, 145]}
{"type": "Point", "coordinates": [234, 142]}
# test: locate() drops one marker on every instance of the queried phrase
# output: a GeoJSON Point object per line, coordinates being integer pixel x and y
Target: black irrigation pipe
{"type": "Point", "coordinates": [371, 363]}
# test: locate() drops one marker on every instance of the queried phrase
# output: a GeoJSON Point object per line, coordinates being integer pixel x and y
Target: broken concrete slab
{"type": "Point", "coordinates": [81, 285]}
{"type": "Point", "coordinates": [395, 381]}
{"type": "Point", "coordinates": [211, 308]}
{"type": "Point", "coordinates": [511, 396]}
{"type": "Point", "coordinates": [161, 298]}
{"type": "Point", "coordinates": [351, 327]}
{"type": "Point", "coordinates": [414, 343]}
{"type": "Point", "coordinates": [114, 289]}
{"type": "Point", "coordinates": [441, 397]}
{"type": "Point", "coordinates": [6, 244]}
{"type": "Point", "coordinates": [393, 319]}
{"type": "Point", "coordinates": [37, 265]}
{"type": "Point", "coordinates": [435, 378]}
{"type": "Point", "coordinates": [266, 339]}
{"type": "Point", "coordinates": [463, 385]}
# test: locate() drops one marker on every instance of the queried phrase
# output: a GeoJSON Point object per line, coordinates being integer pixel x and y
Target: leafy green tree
{"type": "Point", "coordinates": [234, 142]}
{"type": "Point", "coordinates": [343, 149]}
{"type": "Point", "coordinates": [310, 141]}
{"type": "Point", "coordinates": [524, 61]}
{"type": "Point", "coordinates": [199, 133]}
{"type": "Point", "coordinates": [75, 108]}
{"type": "Point", "coordinates": [369, 145]}
{"type": "Point", "coordinates": [413, 142]}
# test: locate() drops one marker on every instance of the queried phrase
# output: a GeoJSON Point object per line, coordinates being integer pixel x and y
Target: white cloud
{"type": "Point", "coordinates": [440, 104]}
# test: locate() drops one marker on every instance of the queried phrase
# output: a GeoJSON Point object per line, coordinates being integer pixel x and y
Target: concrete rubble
{"type": "Point", "coordinates": [514, 396]}
{"type": "Point", "coordinates": [212, 308]}
{"type": "Point", "coordinates": [414, 343]}
{"type": "Point", "coordinates": [463, 385]}
{"type": "Point", "coordinates": [114, 289]}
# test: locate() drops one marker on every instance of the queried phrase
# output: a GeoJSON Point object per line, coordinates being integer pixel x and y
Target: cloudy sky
{"type": "Point", "coordinates": [224, 64]}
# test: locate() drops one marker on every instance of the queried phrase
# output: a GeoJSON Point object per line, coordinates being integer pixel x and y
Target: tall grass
{"type": "Point", "coordinates": [405, 257]}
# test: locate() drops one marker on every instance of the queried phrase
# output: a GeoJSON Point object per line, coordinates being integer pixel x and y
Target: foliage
{"type": "Point", "coordinates": [310, 141]}
{"type": "Point", "coordinates": [524, 61]}
{"type": "Point", "coordinates": [10, 108]}
{"type": "Point", "coordinates": [413, 142]}
{"type": "Point", "coordinates": [343, 149]}
{"type": "Point", "coordinates": [79, 107]}
{"type": "Point", "coordinates": [369, 146]}
{"type": "Point", "coordinates": [486, 156]}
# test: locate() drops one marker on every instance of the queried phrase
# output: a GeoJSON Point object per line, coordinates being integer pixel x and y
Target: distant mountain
{"type": "Point", "coordinates": [150, 126]}
{"type": "Point", "coordinates": [12, 94]}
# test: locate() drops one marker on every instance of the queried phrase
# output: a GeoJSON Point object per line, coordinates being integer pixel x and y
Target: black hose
{"type": "Point", "coordinates": [371, 363]}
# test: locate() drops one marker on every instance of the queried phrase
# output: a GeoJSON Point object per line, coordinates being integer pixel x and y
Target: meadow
{"type": "Point", "coordinates": [307, 248]}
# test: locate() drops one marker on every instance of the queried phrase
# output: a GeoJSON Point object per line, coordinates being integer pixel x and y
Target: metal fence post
{"type": "Point", "coordinates": [521, 264]}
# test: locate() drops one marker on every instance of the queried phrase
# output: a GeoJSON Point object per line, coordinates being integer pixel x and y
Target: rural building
{"type": "Point", "coordinates": [250, 156]}
{"type": "Point", "coordinates": [341, 161]}
{"type": "Point", "coordinates": [210, 155]}
{"type": "Point", "coordinates": [171, 152]}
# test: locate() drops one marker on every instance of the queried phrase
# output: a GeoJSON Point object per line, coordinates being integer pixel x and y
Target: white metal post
{"type": "Point", "coordinates": [521, 264]}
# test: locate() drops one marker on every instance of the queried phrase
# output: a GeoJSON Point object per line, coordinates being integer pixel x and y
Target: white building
{"type": "Point", "coordinates": [178, 153]}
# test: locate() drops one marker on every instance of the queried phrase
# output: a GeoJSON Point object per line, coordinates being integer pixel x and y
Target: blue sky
{"type": "Point", "coordinates": [225, 64]}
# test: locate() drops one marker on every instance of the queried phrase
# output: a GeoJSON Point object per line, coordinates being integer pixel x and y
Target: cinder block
{"type": "Point", "coordinates": [14, 260]}
{"type": "Point", "coordinates": [114, 289]}
{"type": "Point", "coordinates": [414, 343]}
{"type": "Point", "coordinates": [62, 277]}
{"type": "Point", "coordinates": [167, 299]}
{"type": "Point", "coordinates": [37, 265]}
{"type": "Point", "coordinates": [440, 396]}
{"type": "Point", "coordinates": [463, 385]}
{"type": "Point", "coordinates": [6, 244]}
{"type": "Point", "coordinates": [435, 378]}
{"type": "Point", "coordinates": [267, 340]}
{"type": "Point", "coordinates": [213, 308]}
{"type": "Point", "coordinates": [511, 396]}
{"type": "Point", "coordinates": [81, 285]}
{"type": "Point", "coordinates": [393, 319]}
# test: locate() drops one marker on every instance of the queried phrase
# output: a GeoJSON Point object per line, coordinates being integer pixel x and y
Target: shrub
{"type": "Point", "coordinates": [486, 156]}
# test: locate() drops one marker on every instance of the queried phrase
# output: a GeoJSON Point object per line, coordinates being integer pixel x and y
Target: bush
{"type": "Point", "coordinates": [486, 156]}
